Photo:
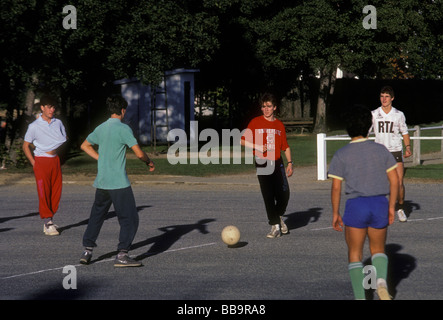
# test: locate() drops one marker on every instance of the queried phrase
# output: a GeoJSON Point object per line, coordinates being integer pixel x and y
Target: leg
{"type": "Point", "coordinates": [127, 214]}
{"type": "Point", "coordinates": [42, 179]}
{"type": "Point", "coordinates": [282, 197]}
{"type": "Point", "coordinates": [268, 192]}
{"type": "Point", "coordinates": [100, 208]}
{"type": "Point", "coordinates": [56, 185]}
{"type": "Point", "coordinates": [282, 188]}
{"type": "Point", "coordinates": [401, 191]}
{"type": "Point", "coordinates": [355, 239]}
{"type": "Point", "coordinates": [377, 240]}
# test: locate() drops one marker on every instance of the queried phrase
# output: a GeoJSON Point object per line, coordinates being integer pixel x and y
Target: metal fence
{"type": "Point", "coordinates": [322, 173]}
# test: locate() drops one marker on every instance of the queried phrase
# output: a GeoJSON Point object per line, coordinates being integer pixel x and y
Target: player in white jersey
{"type": "Point", "coordinates": [389, 126]}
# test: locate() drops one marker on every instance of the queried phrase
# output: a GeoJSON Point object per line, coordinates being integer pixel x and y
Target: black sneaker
{"type": "Point", "coordinates": [86, 257]}
{"type": "Point", "coordinates": [126, 261]}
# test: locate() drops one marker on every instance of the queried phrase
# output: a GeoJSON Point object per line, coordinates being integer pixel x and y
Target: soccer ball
{"type": "Point", "coordinates": [230, 235]}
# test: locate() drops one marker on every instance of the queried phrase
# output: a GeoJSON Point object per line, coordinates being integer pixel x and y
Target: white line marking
{"type": "Point", "coordinates": [434, 218]}
{"type": "Point", "coordinates": [172, 250]}
{"type": "Point", "coordinates": [105, 260]}
{"type": "Point", "coordinates": [409, 220]}
{"type": "Point", "coordinates": [316, 229]}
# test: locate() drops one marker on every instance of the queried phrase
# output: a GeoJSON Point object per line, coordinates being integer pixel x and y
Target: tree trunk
{"type": "Point", "coordinates": [18, 125]}
{"type": "Point", "coordinates": [327, 85]}
{"type": "Point", "coordinates": [29, 101]}
{"type": "Point", "coordinates": [30, 96]}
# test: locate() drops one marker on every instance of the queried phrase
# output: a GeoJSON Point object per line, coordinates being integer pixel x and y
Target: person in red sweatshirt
{"type": "Point", "coordinates": [266, 136]}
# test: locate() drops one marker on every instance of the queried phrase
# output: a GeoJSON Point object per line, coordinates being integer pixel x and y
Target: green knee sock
{"type": "Point", "coordinates": [380, 263]}
{"type": "Point", "coordinates": [356, 272]}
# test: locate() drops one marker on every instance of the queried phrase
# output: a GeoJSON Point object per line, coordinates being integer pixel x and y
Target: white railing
{"type": "Point", "coordinates": [322, 173]}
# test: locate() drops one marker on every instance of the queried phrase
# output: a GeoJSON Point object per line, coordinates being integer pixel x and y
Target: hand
{"type": "Point", "coordinates": [151, 166]}
{"type": "Point", "coordinates": [408, 152]}
{"type": "Point", "coordinates": [261, 149]}
{"type": "Point", "coordinates": [391, 215]}
{"type": "Point", "coordinates": [289, 170]}
{"type": "Point", "coordinates": [337, 222]}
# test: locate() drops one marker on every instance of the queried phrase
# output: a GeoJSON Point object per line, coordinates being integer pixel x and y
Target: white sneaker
{"type": "Point", "coordinates": [283, 226]}
{"type": "Point", "coordinates": [382, 290]}
{"type": "Point", "coordinates": [50, 230]}
{"type": "Point", "coordinates": [401, 215]}
{"type": "Point", "coordinates": [275, 232]}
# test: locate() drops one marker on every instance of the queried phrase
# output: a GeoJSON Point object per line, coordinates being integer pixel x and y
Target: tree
{"type": "Point", "coordinates": [154, 36]}
{"type": "Point", "coordinates": [326, 34]}
{"type": "Point", "coordinates": [113, 39]}
{"type": "Point", "coordinates": [304, 34]}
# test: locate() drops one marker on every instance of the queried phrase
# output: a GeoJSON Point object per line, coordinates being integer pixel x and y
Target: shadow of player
{"type": "Point", "coordinates": [400, 266]}
{"type": "Point", "coordinates": [301, 219]}
{"type": "Point", "coordinates": [171, 234]}
{"type": "Point", "coordinates": [162, 242]}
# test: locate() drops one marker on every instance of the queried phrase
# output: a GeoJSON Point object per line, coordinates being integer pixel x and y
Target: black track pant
{"type": "Point", "coordinates": [125, 209]}
{"type": "Point", "coordinates": [275, 191]}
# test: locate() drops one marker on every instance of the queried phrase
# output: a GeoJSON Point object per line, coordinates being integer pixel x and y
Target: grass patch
{"type": "Point", "coordinates": [428, 172]}
{"type": "Point", "coordinates": [303, 147]}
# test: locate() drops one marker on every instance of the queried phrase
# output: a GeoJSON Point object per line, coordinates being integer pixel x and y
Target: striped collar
{"type": "Point", "coordinates": [359, 140]}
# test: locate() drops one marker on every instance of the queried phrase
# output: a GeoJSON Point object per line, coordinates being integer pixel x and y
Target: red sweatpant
{"type": "Point", "coordinates": [48, 176]}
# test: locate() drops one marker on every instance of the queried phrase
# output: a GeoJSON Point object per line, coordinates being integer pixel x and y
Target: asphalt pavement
{"type": "Point", "coordinates": [184, 259]}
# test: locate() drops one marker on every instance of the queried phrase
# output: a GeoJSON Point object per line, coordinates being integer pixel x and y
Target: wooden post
{"type": "Point", "coordinates": [442, 142]}
{"type": "Point", "coordinates": [416, 150]}
{"type": "Point", "coordinates": [321, 157]}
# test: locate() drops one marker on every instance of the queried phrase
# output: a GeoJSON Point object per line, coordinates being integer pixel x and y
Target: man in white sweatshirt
{"type": "Point", "coordinates": [389, 126]}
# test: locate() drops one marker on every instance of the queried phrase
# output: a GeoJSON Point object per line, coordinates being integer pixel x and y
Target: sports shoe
{"type": "Point", "coordinates": [275, 233]}
{"type": "Point", "coordinates": [86, 257]}
{"type": "Point", "coordinates": [401, 215]}
{"type": "Point", "coordinates": [126, 261]}
{"type": "Point", "coordinates": [382, 290]}
{"type": "Point", "coordinates": [50, 229]}
{"type": "Point", "coordinates": [283, 227]}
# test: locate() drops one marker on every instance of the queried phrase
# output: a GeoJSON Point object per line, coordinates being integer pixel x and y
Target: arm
{"type": "Point", "coordinates": [337, 222]}
{"type": "Point", "coordinates": [393, 181]}
{"type": "Point", "coordinates": [143, 157]}
{"type": "Point", "coordinates": [28, 152]}
{"type": "Point", "coordinates": [253, 146]}
{"type": "Point", "coordinates": [289, 168]}
{"type": "Point", "coordinates": [407, 142]}
{"type": "Point", "coordinates": [89, 149]}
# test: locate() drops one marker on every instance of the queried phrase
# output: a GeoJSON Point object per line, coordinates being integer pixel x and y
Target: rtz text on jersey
{"type": "Point", "coordinates": [386, 127]}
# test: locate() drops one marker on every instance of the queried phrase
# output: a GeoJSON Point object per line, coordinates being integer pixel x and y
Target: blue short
{"type": "Point", "coordinates": [363, 212]}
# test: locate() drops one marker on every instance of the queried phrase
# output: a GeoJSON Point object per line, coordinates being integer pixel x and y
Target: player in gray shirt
{"type": "Point", "coordinates": [368, 171]}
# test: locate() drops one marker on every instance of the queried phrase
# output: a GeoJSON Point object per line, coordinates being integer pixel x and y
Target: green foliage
{"type": "Point", "coordinates": [113, 39]}
{"type": "Point", "coordinates": [330, 33]}
{"type": "Point", "coordinates": [241, 46]}
{"type": "Point", "coordinates": [161, 35]}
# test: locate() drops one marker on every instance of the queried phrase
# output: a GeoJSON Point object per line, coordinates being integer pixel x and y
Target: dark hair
{"type": "Point", "coordinates": [47, 100]}
{"type": "Point", "coordinates": [268, 97]}
{"type": "Point", "coordinates": [388, 90]}
{"type": "Point", "coordinates": [115, 104]}
{"type": "Point", "coordinates": [358, 121]}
